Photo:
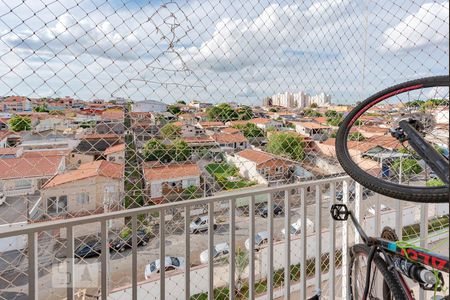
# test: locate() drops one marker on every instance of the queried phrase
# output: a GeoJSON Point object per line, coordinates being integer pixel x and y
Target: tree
{"type": "Point", "coordinates": [287, 144]}
{"type": "Point", "coordinates": [181, 102]}
{"type": "Point", "coordinates": [154, 150]}
{"type": "Point", "coordinates": [311, 113]}
{"type": "Point", "coordinates": [56, 113]}
{"type": "Point", "coordinates": [41, 108]}
{"type": "Point", "coordinates": [435, 182]}
{"type": "Point", "coordinates": [20, 123]}
{"type": "Point", "coordinates": [410, 167]}
{"type": "Point", "coordinates": [313, 105]}
{"type": "Point", "coordinates": [245, 112]}
{"type": "Point", "coordinates": [331, 113]}
{"type": "Point", "coordinates": [179, 151]}
{"type": "Point", "coordinates": [273, 109]}
{"type": "Point", "coordinates": [170, 131]}
{"type": "Point", "coordinates": [242, 261]}
{"type": "Point", "coordinates": [356, 136]}
{"type": "Point", "coordinates": [173, 109]}
{"type": "Point", "coordinates": [335, 119]}
{"type": "Point", "coordinates": [222, 112]}
{"type": "Point", "coordinates": [250, 130]}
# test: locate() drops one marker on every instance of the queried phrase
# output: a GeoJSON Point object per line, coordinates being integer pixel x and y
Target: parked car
{"type": "Point", "coordinates": [2, 198]}
{"type": "Point", "coordinates": [200, 224]}
{"type": "Point", "coordinates": [219, 251]}
{"type": "Point", "coordinates": [295, 227]}
{"type": "Point", "coordinates": [351, 193]}
{"type": "Point", "coordinates": [371, 211]}
{"type": "Point", "coordinates": [91, 248]}
{"type": "Point", "coordinates": [170, 262]}
{"type": "Point", "coordinates": [263, 211]}
{"type": "Point", "coordinates": [261, 239]}
{"type": "Point", "coordinates": [120, 244]}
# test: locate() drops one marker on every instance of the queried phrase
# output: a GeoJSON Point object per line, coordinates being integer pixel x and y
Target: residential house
{"type": "Point", "coordinates": [15, 104]}
{"type": "Point", "coordinates": [12, 152]}
{"type": "Point", "coordinates": [211, 126]}
{"type": "Point", "coordinates": [25, 175]}
{"type": "Point", "coordinates": [189, 130]}
{"type": "Point", "coordinates": [116, 153]}
{"type": "Point", "coordinates": [149, 106]}
{"type": "Point", "coordinates": [231, 142]}
{"type": "Point", "coordinates": [9, 138]}
{"type": "Point", "coordinates": [313, 130]}
{"type": "Point", "coordinates": [263, 167]}
{"type": "Point", "coordinates": [199, 105]}
{"type": "Point", "coordinates": [94, 187]}
{"type": "Point", "coordinates": [96, 144]}
{"type": "Point", "coordinates": [167, 182]}
{"type": "Point", "coordinates": [266, 124]}
{"type": "Point", "coordinates": [370, 131]}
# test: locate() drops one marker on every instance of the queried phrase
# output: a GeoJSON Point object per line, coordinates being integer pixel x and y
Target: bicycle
{"type": "Point", "coordinates": [397, 261]}
{"type": "Point", "coordinates": [412, 127]}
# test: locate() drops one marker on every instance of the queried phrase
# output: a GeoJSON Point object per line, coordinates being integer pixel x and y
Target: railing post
{"type": "Point", "coordinates": [104, 259]}
{"type": "Point", "coordinates": [187, 254]}
{"type": "Point", "coordinates": [303, 254]}
{"type": "Point", "coordinates": [318, 235]}
{"type": "Point", "coordinates": [33, 276]}
{"type": "Point", "coordinates": [251, 250]}
{"type": "Point", "coordinates": [232, 262]}
{"type": "Point", "coordinates": [423, 235]}
{"type": "Point", "coordinates": [287, 246]}
{"type": "Point", "coordinates": [345, 261]}
{"type": "Point", "coordinates": [270, 254]}
{"type": "Point", "coordinates": [399, 219]}
{"type": "Point", "coordinates": [210, 251]}
{"type": "Point", "coordinates": [332, 250]}
{"type": "Point", "coordinates": [162, 254]}
{"type": "Point", "coordinates": [134, 243]}
{"type": "Point", "coordinates": [357, 209]}
{"type": "Point", "coordinates": [70, 263]}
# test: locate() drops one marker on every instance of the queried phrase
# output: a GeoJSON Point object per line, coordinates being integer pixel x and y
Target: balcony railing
{"type": "Point", "coordinates": [299, 265]}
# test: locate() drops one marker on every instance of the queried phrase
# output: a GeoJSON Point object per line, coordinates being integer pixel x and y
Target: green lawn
{"type": "Point", "coordinates": [223, 171]}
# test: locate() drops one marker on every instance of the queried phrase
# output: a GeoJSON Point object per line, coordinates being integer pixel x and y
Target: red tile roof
{"type": "Point", "coordinates": [211, 124]}
{"type": "Point", "coordinates": [311, 125]}
{"type": "Point", "coordinates": [258, 157]}
{"type": "Point", "coordinates": [171, 172]}
{"type": "Point", "coordinates": [115, 149]}
{"type": "Point", "coordinates": [26, 167]}
{"type": "Point", "coordinates": [230, 130]}
{"type": "Point", "coordinates": [46, 153]}
{"type": "Point", "coordinates": [260, 121]}
{"type": "Point", "coordinates": [229, 138]}
{"type": "Point", "coordinates": [98, 168]}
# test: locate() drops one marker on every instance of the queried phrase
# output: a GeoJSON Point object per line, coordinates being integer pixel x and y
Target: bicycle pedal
{"type": "Point", "coordinates": [339, 212]}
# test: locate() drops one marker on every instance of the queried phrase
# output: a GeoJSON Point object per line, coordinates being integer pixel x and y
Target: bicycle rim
{"type": "Point", "coordinates": [385, 165]}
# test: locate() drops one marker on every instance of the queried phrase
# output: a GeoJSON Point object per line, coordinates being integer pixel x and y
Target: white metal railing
{"type": "Point", "coordinates": [322, 243]}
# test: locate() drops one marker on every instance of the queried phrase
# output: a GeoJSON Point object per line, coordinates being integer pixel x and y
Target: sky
{"type": "Point", "coordinates": [218, 51]}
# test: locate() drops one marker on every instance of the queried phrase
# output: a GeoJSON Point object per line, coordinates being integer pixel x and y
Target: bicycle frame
{"type": "Point", "coordinates": [415, 255]}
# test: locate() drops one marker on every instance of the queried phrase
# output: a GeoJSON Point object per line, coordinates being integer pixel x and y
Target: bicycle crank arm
{"type": "Point", "coordinates": [434, 159]}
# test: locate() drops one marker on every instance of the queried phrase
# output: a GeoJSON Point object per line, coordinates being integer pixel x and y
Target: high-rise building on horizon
{"type": "Point", "coordinates": [297, 100]}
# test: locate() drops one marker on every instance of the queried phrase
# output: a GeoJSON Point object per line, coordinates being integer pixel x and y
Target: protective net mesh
{"type": "Point", "coordinates": [112, 105]}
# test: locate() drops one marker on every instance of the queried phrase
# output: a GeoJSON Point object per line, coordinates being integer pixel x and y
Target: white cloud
{"type": "Point", "coordinates": [429, 25]}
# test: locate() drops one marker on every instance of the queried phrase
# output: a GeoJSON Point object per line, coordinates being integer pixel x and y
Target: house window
{"type": "Point", "coordinates": [279, 170]}
{"type": "Point", "coordinates": [83, 198]}
{"type": "Point", "coordinates": [62, 204]}
{"type": "Point", "coordinates": [57, 205]}
{"type": "Point", "coordinates": [23, 184]}
{"type": "Point", "coordinates": [51, 205]}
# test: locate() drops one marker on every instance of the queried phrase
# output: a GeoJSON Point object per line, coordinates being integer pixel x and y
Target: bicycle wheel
{"type": "Point", "coordinates": [357, 276]}
{"type": "Point", "coordinates": [369, 153]}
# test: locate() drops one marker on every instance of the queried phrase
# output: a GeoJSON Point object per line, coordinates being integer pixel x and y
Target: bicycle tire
{"type": "Point", "coordinates": [393, 190]}
{"type": "Point", "coordinates": [390, 280]}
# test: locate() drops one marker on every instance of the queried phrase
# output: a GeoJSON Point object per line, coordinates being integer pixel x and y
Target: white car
{"type": "Point", "coordinates": [2, 198]}
{"type": "Point", "coordinates": [219, 251]}
{"type": "Point", "coordinates": [261, 239]}
{"type": "Point", "coordinates": [171, 263]}
{"type": "Point", "coordinates": [371, 210]}
{"type": "Point", "coordinates": [295, 227]}
{"type": "Point", "coordinates": [200, 224]}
